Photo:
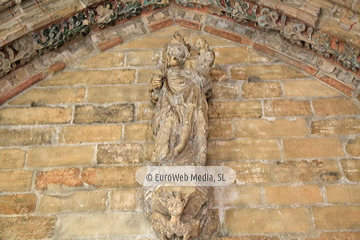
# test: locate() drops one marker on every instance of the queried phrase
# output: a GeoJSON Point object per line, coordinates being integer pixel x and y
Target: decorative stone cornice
{"type": "Point", "coordinates": [300, 26]}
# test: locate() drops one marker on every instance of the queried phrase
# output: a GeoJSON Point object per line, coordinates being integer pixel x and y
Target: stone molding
{"type": "Point", "coordinates": [251, 23]}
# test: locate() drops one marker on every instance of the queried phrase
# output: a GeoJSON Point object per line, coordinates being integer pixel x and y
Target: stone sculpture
{"type": "Point", "coordinates": [180, 127]}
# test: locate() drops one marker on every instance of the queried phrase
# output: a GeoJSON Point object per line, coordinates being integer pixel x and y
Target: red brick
{"type": "Point", "coordinates": [310, 70]}
{"type": "Point", "coordinates": [159, 25]}
{"type": "Point", "coordinates": [336, 84]}
{"type": "Point", "coordinates": [109, 43]}
{"type": "Point", "coordinates": [264, 49]}
{"type": "Point", "coordinates": [288, 60]}
{"type": "Point", "coordinates": [21, 87]}
{"type": "Point", "coordinates": [68, 177]}
{"type": "Point", "coordinates": [228, 35]}
{"type": "Point", "coordinates": [56, 67]}
{"type": "Point", "coordinates": [188, 23]}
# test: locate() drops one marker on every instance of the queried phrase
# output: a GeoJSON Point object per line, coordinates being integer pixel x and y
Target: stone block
{"type": "Point", "coordinates": [123, 153]}
{"type": "Point", "coordinates": [92, 133]}
{"type": "Point", "coordinates": [337, 217]}
{"type": "Point", "coordinates": [35, 115]}
{"type": "Point", "coordinates": [343, 194]}
{"type": "Point", "coordinates": [232, 55]}
{"type": "Point", "coordinates": [17, 204]}
{"type": "Point", "coordinates": [144, 75]}
{"type": "Point", "coordinates": [333, 126]}
{"type": "Point", "coordinates": [26, 137]}
{"type": "Point", "coordinates": [224, 91]}
{"type": "Point", "coordinates": [29, 227]}
{"type": "Point", "coordinates": [237, 196]}
{"type": "Point", "coordinates": [138, 132]}
{"type": "Point", "coordinates": [262, 128]}
{"type": "Point", "coordinates": [90, 77]}
{"type": "Point", "coordinates": [287, 107]}
{"type": "Point", "coordinates": [245, 221]}
{"type": "Point", "coordinates": [124, 199]}
{"type": "Point", "coordinates": [351, 169]}
{"type": "Point", "coordinates": [262, 90]}
{"type": "Point", "coordinates": [114, 113]}
{"type": "Point", "coordinates": [12, 158]}
{"type": "Point", "coordinates": [104, 60]}
{"type": "Point", "coordinates": [15, 181]}
{"type": "Point", "coordinates": [268, 72]}
{"type": "Point", "coordinates": [75, 202]}
{"type": "Point", "coordinates": [243, 149]}
{"type": "Point", "coordinates": [305, 171]}
{"type": "Point", "coordinates": [50, 96]}
{"type": "Point", "coordinates": [143, 58]}
{"type": "Point", "coordinates": [118, 94]}
{"type": "Point", "coordinates": [222, 129]}
{"type": "Point", "coordinates": [353, 147]}
{"type": "Point", "coordinates": [94, 225]}
{"type": "Point", "coordinates": [56, 156]}
{"type": "Point", "coordinates": [250, 172]}
{"type": "Point", "coordinates": [335, 107]}
{"type": "Point", "coordinates": [288, 195]}
{"type": "Point", "coordinates": [110, 177]}
{"type": "Point", "coordinates": [325, 147]}
{"type": "Point", "coordinates": [308, 88]}
{"type": "Point", "coordinates": [234, 109]}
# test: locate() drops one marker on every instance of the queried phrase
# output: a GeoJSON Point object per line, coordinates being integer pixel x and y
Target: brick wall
{"type": "Point", "coordinates": [70, 145]}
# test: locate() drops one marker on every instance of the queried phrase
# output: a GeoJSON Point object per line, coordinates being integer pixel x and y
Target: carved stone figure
{"type": "Point", "coordinates": [181, 124]}
{"type": "Point", "coordinates": [181, 127]}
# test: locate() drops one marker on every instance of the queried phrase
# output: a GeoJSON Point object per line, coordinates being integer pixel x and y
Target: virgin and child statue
{"type": "Point", "coordinates": [180, 126]}
{"type": "Point", "coordinates": [180, 121]}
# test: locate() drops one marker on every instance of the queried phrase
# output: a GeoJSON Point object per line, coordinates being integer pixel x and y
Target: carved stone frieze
{"type": "Point", "coordinates": [289, 28]}
{"type": "Point", "coordinates": [286, 18]}
{"type": "Point", "coordinates": [180, 127]}
{"type": "Point", "coordinates": [17, 54]}
{"type": "Point", "coordinates": [56, 35]}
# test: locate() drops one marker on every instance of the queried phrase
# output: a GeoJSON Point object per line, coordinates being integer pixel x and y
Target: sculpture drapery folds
{"type": "Point", "coordinates": [181, 124]}
{"type": "Point", "coordinates": [180, 127]}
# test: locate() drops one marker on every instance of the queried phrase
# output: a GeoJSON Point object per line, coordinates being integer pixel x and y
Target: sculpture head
{"type": "Point", "coordinates": [177, 51]}
{"type": "Point", "coordinates": [176, 205]}
{"type": "Point", "coordinates": [201, 45]}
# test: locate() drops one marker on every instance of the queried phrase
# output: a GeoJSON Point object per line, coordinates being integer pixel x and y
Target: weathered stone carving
{"type": "Point", "coordinates": [56, 35]}
{"type": "Point", "coordinates": [180, 123]}
{"type": "Point", "coordinates": [18, 53]}
{"type": "Point", "coordinates": [289, 28]}
{"type": "Point", "coordinates": [4, 4]}
{"type": "Point", "coordinates": [181, 126]}
{"type": "Point", "coordinates": [260, 14]}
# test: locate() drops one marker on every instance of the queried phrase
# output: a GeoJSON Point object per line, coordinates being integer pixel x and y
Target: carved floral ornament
{"type": "Point", "coordinates": [112, 12]}
{"type": "Point", "coordinates": [180, 127]}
